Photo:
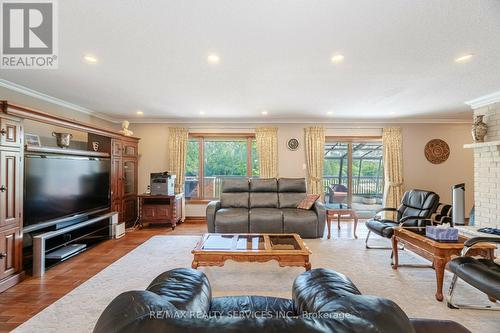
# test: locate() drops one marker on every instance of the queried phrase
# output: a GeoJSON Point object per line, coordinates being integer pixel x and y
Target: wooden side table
{"type": "Point", "coordinates": [160, 209]}
{"type": "Point", "coordinates": [338, 211]}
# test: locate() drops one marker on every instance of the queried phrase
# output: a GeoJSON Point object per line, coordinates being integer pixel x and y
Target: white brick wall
{"type": "Point", "coordinates": [487, 171]}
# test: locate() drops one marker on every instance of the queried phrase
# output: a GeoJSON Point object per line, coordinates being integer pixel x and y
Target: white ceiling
{"type": "Point", "coordinates": [275, 55]}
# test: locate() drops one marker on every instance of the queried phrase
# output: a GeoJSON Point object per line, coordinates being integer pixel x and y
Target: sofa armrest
{"type": "Point", "coordinates": [319, 209]}
{"type": "Point", "coordinates": [185, 288]}
{"type": "Point", "coordinates": [212, 208]}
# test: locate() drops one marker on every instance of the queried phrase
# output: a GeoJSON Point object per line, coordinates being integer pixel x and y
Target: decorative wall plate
{"type": "Point", "coordinates": [437, 151]}
{"type": "Point", "coordinates": [293, 144]}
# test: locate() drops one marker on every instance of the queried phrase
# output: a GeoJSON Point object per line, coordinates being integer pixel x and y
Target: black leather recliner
{"type": "Point", "coordinates": [180, 300]}
{"type": "Point", "coordinates": [415, 211]}
{"type": "Point", "coordinates": [483, 274]}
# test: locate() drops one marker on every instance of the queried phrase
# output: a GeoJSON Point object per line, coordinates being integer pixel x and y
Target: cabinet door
{"type": "Point", "coordinates": [116, 179]}
{"type": "Point", "coordinates": [116, 206]}
{"type": "Point", "coordinates": [116, 148]}
{"type": "Point", "coordinates": [130, 209]}
{"type": "Point", "coordinates": [129, 170]}
{"type": "Point", "coordinates": [10, 252]}
{"type": "Point", "coordinates": [10, 189]}
{"type": "Point", "coordinates": [129, 149]}
{"type": "Point", "coordinates": [10, 133]}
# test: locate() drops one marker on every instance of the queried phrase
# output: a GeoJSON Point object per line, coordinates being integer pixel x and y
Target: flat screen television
{"type": "Point", "coordinates": [62, 186]}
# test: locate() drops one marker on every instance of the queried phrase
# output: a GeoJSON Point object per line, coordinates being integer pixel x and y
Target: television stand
{"type": "Point", "coordinates": [40, 240]}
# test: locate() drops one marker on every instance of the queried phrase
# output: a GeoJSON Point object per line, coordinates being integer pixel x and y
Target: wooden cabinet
{"type": "Point", "coordinates": [10, 187]}
{"type": "Point", "coordinates": [11, 173]}
{"type": "Point", "coordinates": [160, 209]}
{"type": "Point", "coordinates": [10, 133]}
{"type": "Point", "coordinates": [124, 178]}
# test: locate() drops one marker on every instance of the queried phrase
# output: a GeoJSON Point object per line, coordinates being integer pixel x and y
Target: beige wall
{"type": "Point", "coordinates": [418, 172]}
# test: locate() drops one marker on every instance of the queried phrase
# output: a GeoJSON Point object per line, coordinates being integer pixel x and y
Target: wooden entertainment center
{"type": "Point", "coordinates": [122, 151]}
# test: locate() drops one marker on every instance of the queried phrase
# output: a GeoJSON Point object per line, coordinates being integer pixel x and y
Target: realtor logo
{"type": "Point", "coordinates": [29, 34]}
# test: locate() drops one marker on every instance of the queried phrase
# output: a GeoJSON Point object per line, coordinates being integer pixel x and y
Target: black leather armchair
{"type": "Point", "coordinates": [415, 211]}
{"type": "Point", "coordinates": [483, 274]}
{"type": "Point", "coordinates": [180, 300]}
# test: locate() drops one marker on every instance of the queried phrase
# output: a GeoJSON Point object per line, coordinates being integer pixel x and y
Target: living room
{"type": "Point", "coordinates": [291, 166]}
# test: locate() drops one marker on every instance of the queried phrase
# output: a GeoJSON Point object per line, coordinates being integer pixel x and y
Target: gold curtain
{"type": "Point", "coordinates": [267, 150]}
{"type": "Point", "coordinates": [315, 146]}
{"type": "Point", "coordinates": [177, 151]}
{"type": "Point", "coordinates": [393, 167]}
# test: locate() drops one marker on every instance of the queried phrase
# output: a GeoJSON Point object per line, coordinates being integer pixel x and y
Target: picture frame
{"type": "Point", "coordinates": [32, 140]}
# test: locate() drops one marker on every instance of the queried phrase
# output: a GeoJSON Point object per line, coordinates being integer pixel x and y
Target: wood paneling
{"type": "Point", "coordinates": [10, 187]}
{"type": "Point", "coordinates": [10, 133]}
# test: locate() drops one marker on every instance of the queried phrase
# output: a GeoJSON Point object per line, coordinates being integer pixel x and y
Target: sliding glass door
{"type": "Point", "coordinates": [353, 174]}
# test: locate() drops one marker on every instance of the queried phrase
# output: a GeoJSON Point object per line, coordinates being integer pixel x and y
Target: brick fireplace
{"type": "Point", "coordinates": [487, 169]}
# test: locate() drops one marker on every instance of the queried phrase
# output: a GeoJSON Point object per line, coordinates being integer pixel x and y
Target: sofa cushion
{"type": "Point", "coordinates": [231, 220]}
{"type": "Point", "coordinates": [263, 200]}
{"type": "Point", "coordinates": [300, 221]}
{"type": "Point", "coordinates": [292, 185]}
{"type": "Point", "coordinates": [257, 305]}
{"type": "Point", "coordinates": [239, 184]}
{"type": "Point", "coordinates": [290, 199]}
{"type": "Point", "coordinates": [263, 185]}
{"type": "Point", "coordinates": [234, 200]}
{"type": "Point", "coordinates": [266, 220]}
{"type": "Point", "coordinates": [308, 201]}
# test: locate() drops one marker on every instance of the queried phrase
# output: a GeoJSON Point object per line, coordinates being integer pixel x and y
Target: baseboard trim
{"type": "Point", "coordinates": [11, 281]}
{"type": "Point", "coordinates": [195, 219]}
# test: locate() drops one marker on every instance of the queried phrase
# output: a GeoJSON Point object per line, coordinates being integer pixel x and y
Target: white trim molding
{"type": "Point", "coordinates": [484, 100]}
{"type": "Point", "coordinates": [54, 100]}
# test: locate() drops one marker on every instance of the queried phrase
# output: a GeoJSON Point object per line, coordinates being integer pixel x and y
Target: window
{"type": "Point", "coordinates": [354, 174]}
{"type": "Point", "coordinates": [211, 158]}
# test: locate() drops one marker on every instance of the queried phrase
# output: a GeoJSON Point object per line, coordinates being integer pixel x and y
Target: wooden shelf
{"type": "Point", "coordinates": [482, 144]}
{"type": "Point", "coordinates": [64, 151]}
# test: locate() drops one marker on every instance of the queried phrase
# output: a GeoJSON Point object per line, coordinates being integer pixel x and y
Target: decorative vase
{"type": "Point", "coordinates": [63, 139]}
{"type": "Point", "coordinates": [479, 129]}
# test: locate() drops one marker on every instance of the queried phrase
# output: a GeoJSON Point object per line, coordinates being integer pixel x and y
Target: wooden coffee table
{"type": "Point", "coordinates": [338, 211]}
{"type": "Point", "coordinates": [438, 253]}
{"type": "Point", "coordinates": [286, 249]}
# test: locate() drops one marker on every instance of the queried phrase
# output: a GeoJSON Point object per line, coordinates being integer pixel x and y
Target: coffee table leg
{"type": "Point", "coordinates": [307, 266]}
{"type": "Point", "coordinates": [355, 226]}
{"type": "Point", "coordinates": [194, 264]}
{"type": "Point", "coordinates": [329, 225]}
{"type": "Point", "coordinates": [439, 265]}
{"type": "Point", "coordinates": [395, 258]}
{"type": "Point", "coordinates": [338, 221]}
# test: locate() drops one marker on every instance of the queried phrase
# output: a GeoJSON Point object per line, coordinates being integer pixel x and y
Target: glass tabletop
{"type": "Point", "coordinates": [338, 206]}
{"type": "Point", "coordinates": [283, 242]}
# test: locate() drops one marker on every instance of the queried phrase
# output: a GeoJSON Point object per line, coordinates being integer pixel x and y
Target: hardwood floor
{"type": "Point", "coordinates": [23, 301]}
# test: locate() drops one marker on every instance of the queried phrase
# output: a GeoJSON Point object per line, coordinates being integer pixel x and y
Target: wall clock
{"type": "Point", "coordinates": [437, 151]}
{"type": "Point", "coordinates": [293, 144]}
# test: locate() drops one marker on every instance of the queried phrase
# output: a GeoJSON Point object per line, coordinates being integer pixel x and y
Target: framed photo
{"type": "Point", "coordinates": [32, 140]}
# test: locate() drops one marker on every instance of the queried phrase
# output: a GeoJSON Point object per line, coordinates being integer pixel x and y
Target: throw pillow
{"type": "Point", "coordinates": [308, 201]}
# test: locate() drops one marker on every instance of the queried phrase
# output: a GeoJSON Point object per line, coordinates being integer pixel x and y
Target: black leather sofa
{"type": "Point", "coordinates": [269, 205]}
{"type": "Point", "coordinates": [180, 300]}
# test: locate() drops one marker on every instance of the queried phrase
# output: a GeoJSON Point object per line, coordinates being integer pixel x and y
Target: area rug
{"type": "Point", "coordinates": [412, 288]}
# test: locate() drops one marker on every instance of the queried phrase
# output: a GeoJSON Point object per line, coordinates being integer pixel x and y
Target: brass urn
{"type": "Point", "coordinates": [479, 129]}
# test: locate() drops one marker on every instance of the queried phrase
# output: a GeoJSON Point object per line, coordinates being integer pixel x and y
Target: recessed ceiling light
{"type": "Point", "coordinates": [264, 113]}
{"type": "Point", "coordinates": [139, 113]}
{"type": "Point", "coordinates": [202, 112]}
{"type": "Point", "coordinates": [90, 59]}
{"type": "Point", "coordinates": [464, 58]}
{"type": "Point", "coordinates": [213, 58]}
{"type": "Point", "coordinates": [393, 113]}
{"type": "Point", "coordinates": [329, 113]}
{"type": "Point", "coordinates": [337, 58]}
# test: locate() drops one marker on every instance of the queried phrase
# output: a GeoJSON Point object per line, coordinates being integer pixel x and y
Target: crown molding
{"type": "Point", "coordinates": [484, 100]}
{"type": "Point", "coordinates": [331, 121]}
{"type": "Point", "coordinates": [54, 100]}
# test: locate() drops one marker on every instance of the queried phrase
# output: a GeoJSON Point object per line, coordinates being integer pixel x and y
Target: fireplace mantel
{"type": "Point", "coordinates": [482, 144]}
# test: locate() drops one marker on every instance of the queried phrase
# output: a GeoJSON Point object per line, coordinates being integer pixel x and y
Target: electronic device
{"type": "Point", "coordinates": [458, 205]}
{"type": "Point", "coordinates": [162, 183]}
{"type": "Point", "coordinates": [491, 231]}
{"type": "Point", "coordinates": [119, 230]}
{"type": "Point", "coordinates": [64, 186]}
{"type": "Point", "coordinates": [65, 251]}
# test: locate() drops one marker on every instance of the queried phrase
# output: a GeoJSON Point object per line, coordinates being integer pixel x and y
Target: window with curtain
{"type": "Point", "coordinates": [211, 158]}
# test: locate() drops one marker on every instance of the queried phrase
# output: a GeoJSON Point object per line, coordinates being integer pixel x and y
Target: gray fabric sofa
{"type": "Point", "coordinates": [265, 206]}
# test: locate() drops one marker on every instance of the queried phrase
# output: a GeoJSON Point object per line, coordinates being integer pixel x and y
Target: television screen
{"type": "Point", "coordinates": [57, 186]}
